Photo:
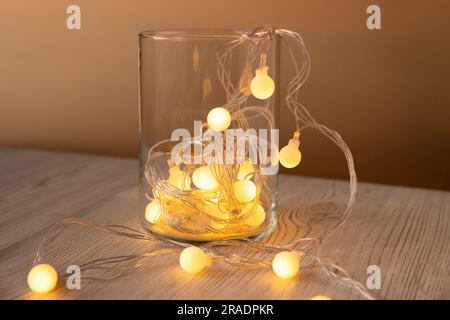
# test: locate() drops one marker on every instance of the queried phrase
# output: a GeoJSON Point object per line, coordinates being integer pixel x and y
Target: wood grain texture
{"type": "Point", "coordinates": [404, 231]}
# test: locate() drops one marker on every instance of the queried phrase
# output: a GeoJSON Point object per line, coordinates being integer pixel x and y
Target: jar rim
{"type": "Point", "coordinates": [176, 34]}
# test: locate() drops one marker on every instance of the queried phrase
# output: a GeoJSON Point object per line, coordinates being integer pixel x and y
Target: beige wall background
{"type": "Point", "coordinates": [386, 91]}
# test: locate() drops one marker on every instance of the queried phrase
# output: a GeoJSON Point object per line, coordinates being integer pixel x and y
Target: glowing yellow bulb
{"type": "Point", "coordinates": [320, 298]}
{"type": "Point", "coordinates": [245, 171]}
{"type": "Point", "coordinates": [262, 86]}
{"type": "Point", "coordinates": [176, 177]}
{"type": "Point", "coordinates": [216, 212]}
{"type": "Point", "coordinates": [203, 178]}
{"type": "Point", "coordinates": [42, 278]}
{"type": "Point", "coordinates": [244, 191]}
{"type": "Point", "coordinates": [257, 217]}
{"type": "Point", "coordinates": [153, 211]}
{"type": "Point", "coordinates": [290, 156]}
{"type": "Point", "coordinates": [286, 264]}
{"type": "Point", "coordinates": [219, 119]}
{"type": "Point", "coordinates": [194, 260]}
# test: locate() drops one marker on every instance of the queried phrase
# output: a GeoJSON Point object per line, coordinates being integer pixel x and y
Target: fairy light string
{"type": "Point", "coordinates": [193, 189]}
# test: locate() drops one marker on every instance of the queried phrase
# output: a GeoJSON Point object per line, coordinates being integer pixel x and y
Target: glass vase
{"type": "Point", "coordinates": [183, 75]}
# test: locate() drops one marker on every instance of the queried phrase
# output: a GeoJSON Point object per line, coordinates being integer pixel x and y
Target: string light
{"type": "Point", "coordinates": [290, 155]}
{"type": "Point", "coordinates": [216, 212]}
{"type": "Point", "coordinates": [262, 86]}
{"type": "Point", "coordinates": [244, 190]}
{"type": "Point", "coordinates": [42, 278]}
{"type": "Point", "coordinates": [218, 119]}
{"type": "Point", "coordinates": [153, 211]}
{"type": "Point", "coordinates": [194, 260]}
{"type": "Point", "coordinates": [286, 264]}
{"type": "Point", "coordinates": [203, 178]}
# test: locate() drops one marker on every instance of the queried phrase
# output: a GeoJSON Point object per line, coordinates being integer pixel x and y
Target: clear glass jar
{"type": "Point", "coordinates": [180, 82]}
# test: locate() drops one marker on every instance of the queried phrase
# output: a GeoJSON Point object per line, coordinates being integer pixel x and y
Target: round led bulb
{"type": "Point", "coordinates": [194, 260]}
{"type": "Point", "coordinates": [176, 177]}
{"type": "Point", "coordinates": [286, 264]}
{"type": "Point", "coordinates": [42, 278]}
{"type": "Point", "coordinates": [217, 213]}
{"type": "Point", "coordinates": [262, 86]}
{"type": "Point", "coordinates": [153, 211]}
{"type": "Point", "coordinates": [257, 217]}
{"type": "Point", "coordinates": [290, 156]}
{"type": "Point", "coordinates": [244, 190]}
{"type": "Point", "coordinates": [218, 119]}
{"type": "Point", "coordinates": [203, 178]}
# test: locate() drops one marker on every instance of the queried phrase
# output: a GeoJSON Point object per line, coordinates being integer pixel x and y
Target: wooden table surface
{"type": "Point", "coordinates": [404, 231]}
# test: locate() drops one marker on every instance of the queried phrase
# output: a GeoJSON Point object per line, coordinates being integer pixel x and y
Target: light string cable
{"type": "Point", "coordinates": [181, 201]}
{"type": "Point", "coordinates": [194, 200]}
{"type": "Point", "coordinates": [304, 119]}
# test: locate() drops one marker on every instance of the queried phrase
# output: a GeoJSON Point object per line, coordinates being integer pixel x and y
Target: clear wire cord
{"type": "Point", "coordinates": [236, 252]}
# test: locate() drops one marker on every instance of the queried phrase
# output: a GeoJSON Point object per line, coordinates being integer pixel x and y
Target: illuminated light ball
{"type": "Point", "coordinates": [153, 211]}
{"type": "Point", "coordinates": [257, 218]}
{"type": "Point", "coordinates": [262, 86]}
{"type": "Point", "coordinates": [290, 156]}
{"type": "Point", "coordinates": [194, 260]}
{"type": "Point", "coordinates": [216, 212]}
{"type": "Point", "coordinates": [203, 178]}
{"type": "Point", "coordinates": [320, 298]}
{"type": "Point", "coordinates": [244, 191]}
{"type": "Point", "coordinates": [245, 171]}
{"type": "Point", "coordinates": [286, 264]}
{"type": "Point", "coordinates": [42, 278]}
{"type": "Point", "coordinates": [219, 119]}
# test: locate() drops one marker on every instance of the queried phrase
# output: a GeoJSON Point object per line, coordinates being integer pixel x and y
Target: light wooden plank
{"type": "Point", "coordinates": [404, 231]}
